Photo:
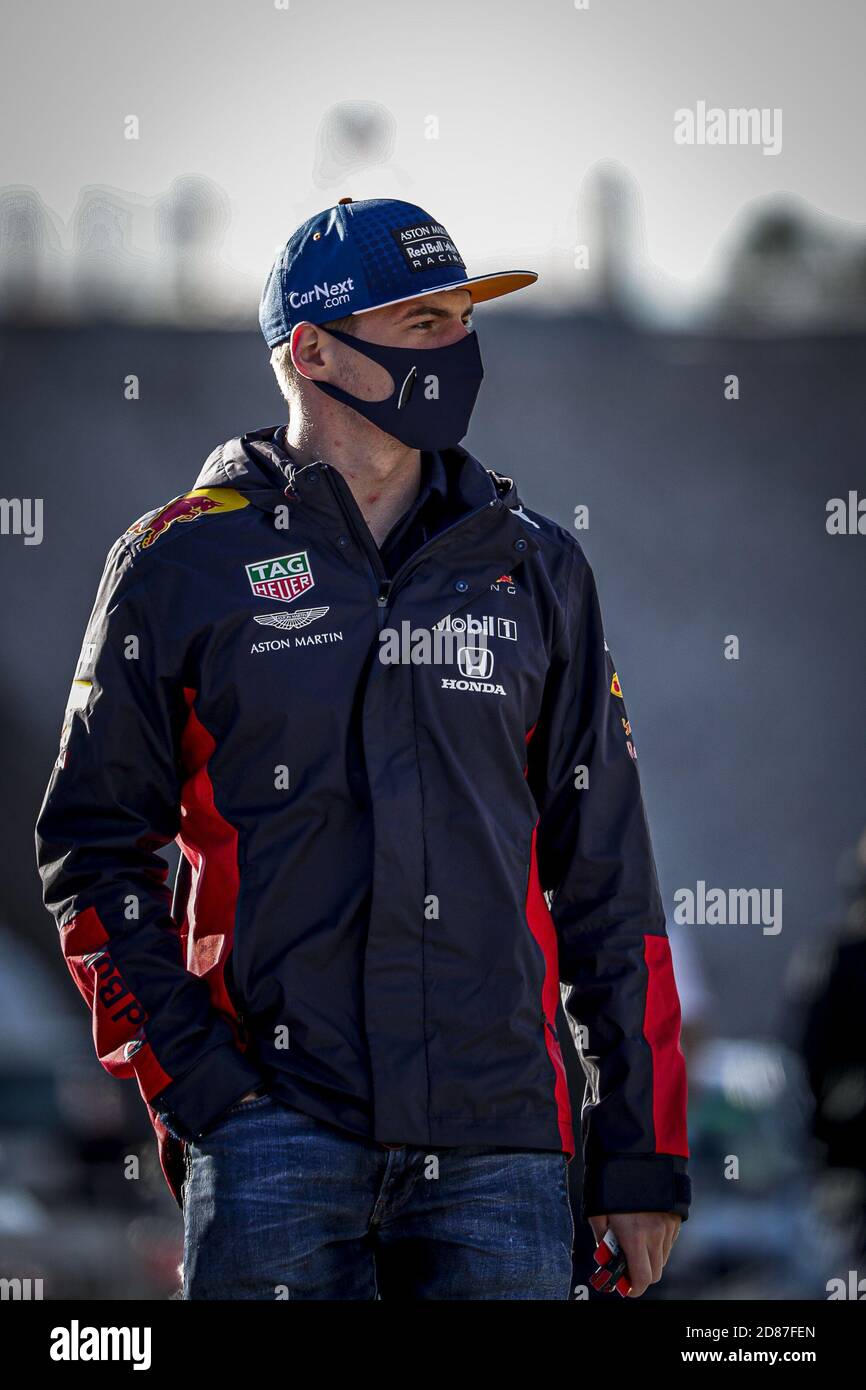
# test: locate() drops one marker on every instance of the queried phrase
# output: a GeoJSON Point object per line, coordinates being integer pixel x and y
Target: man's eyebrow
{"type": "Point", "coordinates": [432, 310]}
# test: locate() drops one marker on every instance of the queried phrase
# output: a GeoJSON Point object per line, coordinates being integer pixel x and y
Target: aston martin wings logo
{"type": "Point", "coordinates": [287, 620]}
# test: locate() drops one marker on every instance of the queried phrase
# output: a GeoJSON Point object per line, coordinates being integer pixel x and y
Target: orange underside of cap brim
{"type": "Point", "coordinates": [480, 287]}
{"type": "Point", "coordinates": [492, 286]}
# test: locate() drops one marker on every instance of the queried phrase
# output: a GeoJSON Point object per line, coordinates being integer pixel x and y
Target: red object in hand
{"type": "Point", "coordinates": [611, 1272]}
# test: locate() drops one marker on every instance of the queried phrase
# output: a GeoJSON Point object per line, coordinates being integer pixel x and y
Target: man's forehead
{"type": "Point", "coordinates": [440, 302]}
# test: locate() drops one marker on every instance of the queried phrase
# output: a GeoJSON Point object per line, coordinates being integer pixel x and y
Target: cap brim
{"type": "Point", "coordinates": [480, 287]}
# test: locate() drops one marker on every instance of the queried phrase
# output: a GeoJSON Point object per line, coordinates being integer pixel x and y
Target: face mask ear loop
{"type": "Point", "coordinates": [349, 340]}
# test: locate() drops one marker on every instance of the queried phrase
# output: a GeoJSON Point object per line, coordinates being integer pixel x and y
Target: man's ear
{"type": "Point", "coordinates": [306, 349]}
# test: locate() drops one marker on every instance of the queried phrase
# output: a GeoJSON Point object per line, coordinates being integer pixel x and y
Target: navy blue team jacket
{"type": "Point", "coordinates": [393, 873]}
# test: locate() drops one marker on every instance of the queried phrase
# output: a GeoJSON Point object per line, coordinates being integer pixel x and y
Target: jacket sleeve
{"type": "Point", "coordinates": [596, 865]}
{"type": "Point", "coordinates": [112, 801]}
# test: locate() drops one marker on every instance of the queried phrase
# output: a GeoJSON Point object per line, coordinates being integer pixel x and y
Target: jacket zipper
{"type": "Point", "coordinates": [382, 601]}
{"type": "Point", "coordinates": [374, 560]}
{"type": "Point", "coordinates": [384, 586]}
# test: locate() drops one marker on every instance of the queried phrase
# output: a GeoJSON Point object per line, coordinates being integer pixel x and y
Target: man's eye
{"type": "Point", "coordinates": [432, 323]}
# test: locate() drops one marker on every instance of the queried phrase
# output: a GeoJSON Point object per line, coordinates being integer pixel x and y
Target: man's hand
{"type": "Point", "coordinates": [251, 1095]}
{"type": "Point", "coordinates": [645, 1238]}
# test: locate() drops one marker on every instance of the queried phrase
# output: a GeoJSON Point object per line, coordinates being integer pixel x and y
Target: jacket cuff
{"type": "Point", "coordinates": [637, 1182]}
{"type": "Point", "coordinates": [191, 1104]}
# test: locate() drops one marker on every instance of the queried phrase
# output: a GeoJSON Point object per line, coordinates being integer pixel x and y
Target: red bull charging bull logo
{"type": "Point", "coordinates": [189, 507]}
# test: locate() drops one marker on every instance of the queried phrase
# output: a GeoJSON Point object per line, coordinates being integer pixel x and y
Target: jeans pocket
{"type": "Point", "coordinates": [232, 1112]}
{"type": "Point", "coordinates": [243, 1105]}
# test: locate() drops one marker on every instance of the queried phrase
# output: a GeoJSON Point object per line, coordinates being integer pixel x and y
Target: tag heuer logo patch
{"type": "Point", "coordinates": [285, 577]}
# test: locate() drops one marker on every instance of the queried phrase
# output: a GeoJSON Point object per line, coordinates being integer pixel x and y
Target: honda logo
{"type": "Point", "coordinates": [475, 662]}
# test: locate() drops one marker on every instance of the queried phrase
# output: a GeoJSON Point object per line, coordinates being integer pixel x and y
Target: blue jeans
{"type": "Point", "coordinates": [278, 1205]}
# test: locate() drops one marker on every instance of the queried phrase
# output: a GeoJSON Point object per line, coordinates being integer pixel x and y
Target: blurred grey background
{"type": "Point", "coordinates": [543, 138]}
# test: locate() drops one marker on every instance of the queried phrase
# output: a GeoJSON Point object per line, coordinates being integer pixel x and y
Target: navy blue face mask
{"type": "Point", "coordinates": [434, 391]}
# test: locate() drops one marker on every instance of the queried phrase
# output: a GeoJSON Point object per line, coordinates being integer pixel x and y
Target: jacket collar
{"type": "Point", "coordinates": [256, 465]}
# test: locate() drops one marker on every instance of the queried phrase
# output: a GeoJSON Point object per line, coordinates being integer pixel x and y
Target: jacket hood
{"type": "Point", "coordinates": [256, 465]}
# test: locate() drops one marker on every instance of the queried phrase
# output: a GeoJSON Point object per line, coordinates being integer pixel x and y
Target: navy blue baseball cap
{"type": "Point", "coordinates": [358, 256]}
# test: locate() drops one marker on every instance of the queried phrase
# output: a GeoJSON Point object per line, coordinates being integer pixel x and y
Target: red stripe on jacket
{"type": "Point", "coordinates": [210, 844]}
{"type": "Point", "coordinates": [542, 928]}
{"type": "Point", "coordinates": [661, 1029]}
{"type": "Point", "coordinates": [118, 1017]}
{"type": "Point", "coordinates": [541, 925]}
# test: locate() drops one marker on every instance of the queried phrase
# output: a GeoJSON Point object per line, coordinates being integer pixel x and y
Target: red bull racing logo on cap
{"type": "Point", "coordinates": [427, 245]}
{"type": "Point", "coordinates": [285, 577]}
{"type": "Point", "coordinates": [187, 508]}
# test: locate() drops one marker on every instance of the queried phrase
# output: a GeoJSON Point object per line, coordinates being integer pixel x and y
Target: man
{"type": "Point", "coordinates": [345, 1023]}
